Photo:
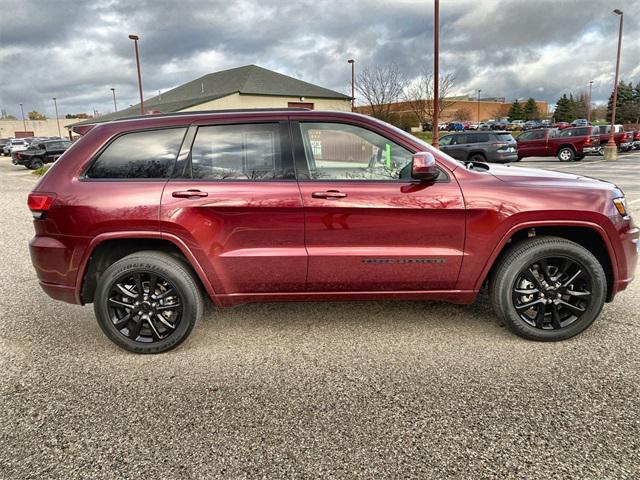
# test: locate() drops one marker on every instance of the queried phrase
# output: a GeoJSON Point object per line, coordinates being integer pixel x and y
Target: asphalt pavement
{"type": "Point", "coordinates": [339, 390]}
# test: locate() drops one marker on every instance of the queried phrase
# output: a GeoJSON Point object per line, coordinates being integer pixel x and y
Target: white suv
{"type": "Point", "coordinates": [17, 145]}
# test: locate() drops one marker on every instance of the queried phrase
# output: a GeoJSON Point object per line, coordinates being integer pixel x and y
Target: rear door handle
{"type": "Point", "coordinates": [189, 194]}
{"type": "Point", "coordinates": [329, 194]}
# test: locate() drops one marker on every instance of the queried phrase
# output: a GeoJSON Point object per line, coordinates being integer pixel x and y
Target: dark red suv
{"type": "Point", "coordinates": [145, 216]}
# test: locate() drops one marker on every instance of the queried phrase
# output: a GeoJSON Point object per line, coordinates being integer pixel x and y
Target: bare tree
{"type": "Point", "coordinates": [379, 87]}
{"type": "Point", "coordinates": [462, 115]}
{"type": "Point", "coordinates": [419, 96]}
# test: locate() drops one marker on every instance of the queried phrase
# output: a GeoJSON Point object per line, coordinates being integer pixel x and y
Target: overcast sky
{"type": "Point", "coordinates": [76, 50]}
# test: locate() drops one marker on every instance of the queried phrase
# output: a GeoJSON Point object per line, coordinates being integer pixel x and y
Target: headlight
{"type": "Point", "coordinates": [621, 205]}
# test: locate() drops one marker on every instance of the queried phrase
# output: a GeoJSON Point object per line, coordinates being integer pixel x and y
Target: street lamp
{"type": "Point", "coordinates": [436, 73]}
{"type": "Point", "coordinates": [589, 106]}
{"type": "Point", "coordinates": [115, 106]}
{"type": "Point", "coordinates": [610, 151]}
{"type": "Point", "coordinates": [24, 122]}
{"type": "Point", "coordinates": [353, 83]}
{"type": "Point", "coordinates": [479, 91]}
{"type": "Point", "coordinates": [55, 104]}
{"type": "Point", "coordinates": [135, 39]}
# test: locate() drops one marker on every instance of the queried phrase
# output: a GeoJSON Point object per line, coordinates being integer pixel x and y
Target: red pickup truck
{"type": "Point", "coordinates": [623, 140]}
{"type": "Point", "coordinates": [568, 145]}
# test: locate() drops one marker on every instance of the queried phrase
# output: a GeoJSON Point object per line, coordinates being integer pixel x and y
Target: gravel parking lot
{"type": "Point", "coordinates": [348, 390]}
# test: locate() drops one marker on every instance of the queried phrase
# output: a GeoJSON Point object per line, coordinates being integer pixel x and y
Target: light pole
{"type": "Point", "coordinates": [436, 72]}
{"type": "Point", "coordinates": [55, 104]}
{"type": "Point", "coordinates": [353, 83]}
{"type": "Point", "coordinates": [610, 151]}
{"type": "Point", "coordinates": [135, 39]}
{"type": "Point", "coordinates": [24, 122]}
{"type": "Point", "coordinates": [115, 105]}
{"type": "Point", "coordinates": [589, 106]}
{"type": "Point", "coordinates": [479, 91]}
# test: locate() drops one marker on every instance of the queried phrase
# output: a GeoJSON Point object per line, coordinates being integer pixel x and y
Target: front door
{"type": "Point", "coordinates": [237, 204]}
{"type": "Point", "coordinates": [369, 226]}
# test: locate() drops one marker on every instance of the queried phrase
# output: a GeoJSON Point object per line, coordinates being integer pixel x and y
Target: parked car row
{"type": "Point", "coordinates": [34, 152]}
{"type": "Point", "coordinates": [506, 124]}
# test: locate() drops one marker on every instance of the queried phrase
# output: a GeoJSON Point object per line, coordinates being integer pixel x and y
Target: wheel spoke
{"type": "Point", "coordinates": [126, 291]}
{"type": "Point", "coordinates": [165, 322]}
{"type": "Point", "coordinates": [540, 315]}
{"type": "Point", "coordinates": [119, 304]}
{"type": "Point", "coordinates": [134, 331]}
{"type": "Point", "coordinates": [138, 278]}
{"type": "Point", "coordinates": [544, 268]}
{"type": "Point", "coordinates": [562, 270]}
{"type": "Point", "coordinates": [526, 291]}
{"type": "Point", "coordinates": [160, 308]}
{"type": "Point", "coordinates": [555, 317]}
{"type": "Point", "coordinates": [573, 278]}
{"type": "Point", "coordinates": [120, 323]}
{"type": "Point", "coordinates": [575, 293]}
{"type": "Point", "coordinates": [573, 308]}
{"type": "Point", "coordinates": [526, 306]}
{"type": "Point", "coordinates": [164, 294]}
{"type": "Point", "coordinates": [153, 279]}
{"type": "Point", "coordinates": [529, 275]}
{"type": "Point", "coordinates": [153, 328]}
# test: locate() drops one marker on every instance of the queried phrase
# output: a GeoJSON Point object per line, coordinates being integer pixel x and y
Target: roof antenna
{"type": "Point", "coordinates": [201, 87]}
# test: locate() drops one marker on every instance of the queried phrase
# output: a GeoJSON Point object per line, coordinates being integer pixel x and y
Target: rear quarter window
{"type": "Point", "coordinates": [148, 154]}
{"type": "Point", "coordinates": [504, 137]}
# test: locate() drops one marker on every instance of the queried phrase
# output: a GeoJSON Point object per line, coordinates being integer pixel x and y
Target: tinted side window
{"type": "Point", "coordinates": [479, 138]}
{"type": "Point", "coordinates": [149, 154]}
{"type": "Point", "coordinates": [239, 152]}
{"type": "Point", "coordinates": [459, 139]}
{"type": "Point", "coordinates": [503, 137]}
{"type": "Point", "coordinates": [537, 135]}
{"type": "Point", "coordinates": [336, 151]}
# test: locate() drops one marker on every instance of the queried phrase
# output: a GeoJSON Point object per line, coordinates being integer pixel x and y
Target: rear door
{"type": "Point", "coordinates": [235, 201]}
{"type": "Point", "coordinates": [369, 225]}
{"type": "Point", "coordinates": [459, 147]}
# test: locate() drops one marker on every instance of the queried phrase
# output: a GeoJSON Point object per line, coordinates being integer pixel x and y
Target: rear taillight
{"type": "Point", "coordinates": [623, 136]}
{"type": "Point", "coordinates": [40, 203]}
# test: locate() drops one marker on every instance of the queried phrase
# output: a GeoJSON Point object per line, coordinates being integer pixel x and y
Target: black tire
{"type": "Point", "coordinates": [35, 164]}
{"type": "Point", "coordinates": [173, 276]}
{"type": "Point", "coordinates": [477, 157]}
{"type": "Point", "coordinates": [507, 298]}
{"type": "Point", "coordinates": [566, 154]}
{"type": "Point", "coordinates": [577, 158]}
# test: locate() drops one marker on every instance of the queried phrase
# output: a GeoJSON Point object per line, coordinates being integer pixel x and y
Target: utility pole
{"type": "Point", "coordinates": [353, 84]}
{"type": "Point", "coordinates": [436, 72]}
{"type": "Point", "coordinates": [611, 151]}
{"type": "Point", "coordinates": [55, 104]}
{"type": "Point", "coordinates": [135, 39]}
{"type": "Point", "coordinates": [115, 105]}
{"type": "Point", "coordinates": [589, 106]}
{"type": "Point", "coordinates": [479, 91]}
{"type": "Point", "coordinates": [24, 122]}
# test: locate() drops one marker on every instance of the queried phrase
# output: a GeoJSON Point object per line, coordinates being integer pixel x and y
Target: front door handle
{"type": "Point", "coordinates": [329, 194]}
{"type": "Point", "coordinates": [194, 193]}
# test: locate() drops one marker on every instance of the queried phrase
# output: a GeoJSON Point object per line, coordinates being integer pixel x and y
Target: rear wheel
{"type": "Point", "coordinates": [548, 289]}
{"type": "Point", "coordinates": [148, 302]}
{"type": "Point", "coordinates": [566, 154]}
{"type": "Point", "coordinates": [35, 164]}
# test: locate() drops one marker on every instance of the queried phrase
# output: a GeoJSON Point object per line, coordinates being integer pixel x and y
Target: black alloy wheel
{"type": "Point", "coordinates": [144, 306]}
{"type": "Point", "coordinates": [552, 293]}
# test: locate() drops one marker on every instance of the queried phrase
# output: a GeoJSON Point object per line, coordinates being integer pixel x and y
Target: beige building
{"type": "Point", "coordinates": [40, 128]}
{"type": "Point", "coordinates": [238, 88]}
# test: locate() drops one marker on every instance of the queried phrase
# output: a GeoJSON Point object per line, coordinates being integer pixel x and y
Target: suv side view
{"type": "Point", "coordinates": [145, 216]}
{"type": "Point", "coordinates": [498, 147]}
{"type": "Point", "coordinates": [39, 153]}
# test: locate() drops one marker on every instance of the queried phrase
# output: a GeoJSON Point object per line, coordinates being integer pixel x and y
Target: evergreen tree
{"type": "Point", "coordinates": [563, 110]}
{"type": "Point", "coordinates": [531, 111]}
{"type": "Point", "coordinates": [626, 111]}
{"type": "Point", "coordinates": [515, 112]}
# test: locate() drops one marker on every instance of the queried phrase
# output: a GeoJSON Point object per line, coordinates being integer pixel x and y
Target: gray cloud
{"type": "Point", "coordinates": [76, 51]}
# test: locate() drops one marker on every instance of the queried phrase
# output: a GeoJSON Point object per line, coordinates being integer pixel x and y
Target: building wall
{"type": "Point", "coordinates": [264, 101]}
{"type": "Point", "coordinates": [488, 110]}
{"type": "Point", "coordinates": [40, 128]}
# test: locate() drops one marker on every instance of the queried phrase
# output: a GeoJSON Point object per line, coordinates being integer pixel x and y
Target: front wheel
{"type": "Point", "coordinates": [147, 302]}
{"type": "Point", "coordinates": [35, 164]}
{"type": "Point", "coordinates": [548, 289]}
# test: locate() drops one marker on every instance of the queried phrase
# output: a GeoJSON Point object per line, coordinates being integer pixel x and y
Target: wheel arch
{"type": "Point", "coordinates": [476, 152]}
{"type": "Point", "coordinates": [588, 235]}
{"type": "Point", "coordinates": [106, 249]}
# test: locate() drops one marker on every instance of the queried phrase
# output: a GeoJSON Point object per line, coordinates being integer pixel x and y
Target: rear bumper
{"type": "Point", "coordinates": [591, 149]}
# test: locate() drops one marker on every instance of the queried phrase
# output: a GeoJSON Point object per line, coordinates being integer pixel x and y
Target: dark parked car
{"type": "Point", "coordinates": [494, 146]}
{"type": "Point", "coordinates": [39, 153]}
{"type": "Point", "coordinates": [143, 217]}
{"type": "Point", "coordinates": [531, 124]}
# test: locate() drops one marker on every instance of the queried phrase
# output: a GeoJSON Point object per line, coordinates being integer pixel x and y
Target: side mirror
{"type": "Point", "coordinates": [423, 166]}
